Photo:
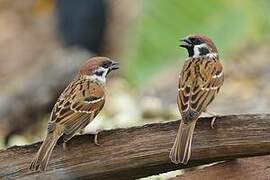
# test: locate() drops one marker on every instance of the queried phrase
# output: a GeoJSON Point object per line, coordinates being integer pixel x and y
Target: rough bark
{"type": "Point", "coordinates": [142, 151]}
{"type": "Point", "coordinates": [245, 169]}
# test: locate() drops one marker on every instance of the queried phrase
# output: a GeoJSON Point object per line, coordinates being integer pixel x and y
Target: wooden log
{"type": "Point", "coordinates": [143, 151]}
{"type": "Point", "coordinates": [246, 169]}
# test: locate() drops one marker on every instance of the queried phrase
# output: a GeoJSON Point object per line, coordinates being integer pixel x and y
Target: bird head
{"type": "Point", "coordinates": [97, 68]}
{"type": "Point", "coordinates": [199, 45]}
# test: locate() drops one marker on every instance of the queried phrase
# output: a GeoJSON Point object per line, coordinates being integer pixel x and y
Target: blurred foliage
{"type": "Point", "coordinates": [160, 24]}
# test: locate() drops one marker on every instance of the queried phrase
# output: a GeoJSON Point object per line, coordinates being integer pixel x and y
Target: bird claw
{"type": "Point", "coordinates": [96, 139]}
{"type": "Point", "coordinates": [213, 122]}
{"type": "Point", "coordinates": [93, 133]}
{"type": "Point", "coordinates": [213, 119]}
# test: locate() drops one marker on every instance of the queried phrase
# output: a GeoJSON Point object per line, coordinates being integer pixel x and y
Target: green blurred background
{"type": "Point", "coordinates": [160, 24]}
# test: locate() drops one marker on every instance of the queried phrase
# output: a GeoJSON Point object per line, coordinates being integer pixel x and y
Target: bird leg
{"type": "Point", "coordinates": [213, 119]}
{"type": "Point", "coordinates": [96, 139]}
{"type": "Point", "coordinates": [64, 146]}
{"type": "Point", "coordinates": [93, 133]}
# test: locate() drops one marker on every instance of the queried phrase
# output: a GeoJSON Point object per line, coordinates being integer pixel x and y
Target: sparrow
{"type": "Point", "coordinates": [76, 107]}
{"type": "Point", "coordinates": [199, 83]}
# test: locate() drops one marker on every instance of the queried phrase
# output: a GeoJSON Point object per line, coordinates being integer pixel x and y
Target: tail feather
{"type": "Point", "coordinates": [41, 160]}
{"type": "Point", "coordinates": [181, 150]}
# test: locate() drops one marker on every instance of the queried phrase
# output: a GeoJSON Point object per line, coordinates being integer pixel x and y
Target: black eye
{"type": "Point", "coordinates": [195, 41]}
{"type": "Point", "coordinates": [106, 64]}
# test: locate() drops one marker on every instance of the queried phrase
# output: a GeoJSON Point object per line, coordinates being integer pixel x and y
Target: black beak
{"type": "Point", "coordinates": [186, 43]}
{"type": "Point", "coordinates": [114, 66]}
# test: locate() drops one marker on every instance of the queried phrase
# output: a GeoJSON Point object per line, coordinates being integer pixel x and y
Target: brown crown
{"type": "Point", "coordinates": [206, 40]}
{"type": "Point", "coordinates": [91, 64]}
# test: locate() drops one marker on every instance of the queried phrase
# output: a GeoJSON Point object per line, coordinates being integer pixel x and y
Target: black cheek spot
{"type": "Point", "coordinates": [203, 51]}
{"type": "Point", "coordinates": [99, 73]}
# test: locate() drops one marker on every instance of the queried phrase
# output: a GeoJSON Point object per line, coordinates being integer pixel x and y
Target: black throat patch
{"type": "Point", "coordinates": [203, 51]}
{"type": "Point", "coordinates": [190, 51]}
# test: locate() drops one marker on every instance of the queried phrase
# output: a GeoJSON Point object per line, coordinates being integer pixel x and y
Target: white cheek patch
{"type": "Point", "coordinates": [197, 51]}
{"type": "Point", "coordinates": [101, 77]}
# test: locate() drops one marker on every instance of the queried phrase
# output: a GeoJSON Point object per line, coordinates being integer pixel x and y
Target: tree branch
{"type": "Point", "coordinates": [246, 168]}
{"type": "Point", "coordinates": [142, 151]}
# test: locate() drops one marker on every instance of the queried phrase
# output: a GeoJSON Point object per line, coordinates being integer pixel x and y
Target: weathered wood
{"type": "Point", "coordinates": [143, 151]}
{"type": "Point", "coordinates": [240, 169]}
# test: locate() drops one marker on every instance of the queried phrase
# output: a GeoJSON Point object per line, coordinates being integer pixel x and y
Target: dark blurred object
{"type": "Point", "coordinates": [82, 23]}
{"type": "Point", "coordinates": [23, 107]}
{"type": "Point", "coordinates": [34, 65]}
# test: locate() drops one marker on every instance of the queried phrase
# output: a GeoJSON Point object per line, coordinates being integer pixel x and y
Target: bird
{"type": "Point", "coordinates": [199, 82]}
{"type": "Point", "coordinates": [76, 107]}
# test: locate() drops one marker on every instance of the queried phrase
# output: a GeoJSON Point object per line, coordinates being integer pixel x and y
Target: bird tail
{"type": "Point", "coordinates": [181, 150]}
{"type": "Point", "coordinates": [42, 157]}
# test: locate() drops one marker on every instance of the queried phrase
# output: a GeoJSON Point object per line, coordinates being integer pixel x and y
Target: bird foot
{"type": "Point", "coordinates": [95, 133]}
{"type": "Point", "coordinates": [96, 139]}
{"type": "Point", "coordinates": [213, 119]}
{"type": "Point", "coordinates": [213, 122]}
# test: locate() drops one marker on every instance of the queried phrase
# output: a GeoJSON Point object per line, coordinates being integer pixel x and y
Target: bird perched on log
{"type": "Point", "coordinates": [199, 83]}
{"type": "Point", "coordinates": [76, 107]}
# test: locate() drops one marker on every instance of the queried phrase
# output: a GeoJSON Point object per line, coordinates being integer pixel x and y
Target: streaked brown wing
{"type": "Point", "coordinates": [77, 107]}
{"type": "Point", "coordinates": [198, 85]}
{"type": "Point", "coordinates": [185, 88]}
